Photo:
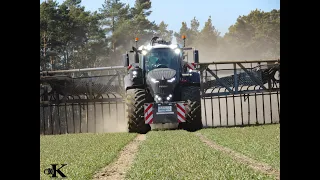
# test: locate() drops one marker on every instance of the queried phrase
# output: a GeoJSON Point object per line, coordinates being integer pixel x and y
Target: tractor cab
{"type": "Point", "coordinates": [160, 54]}
{"type": "Point", "coordinates": [160, 57]}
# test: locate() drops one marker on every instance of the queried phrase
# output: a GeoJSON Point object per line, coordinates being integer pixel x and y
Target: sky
{"type": "Point", "coordinates": [224, 13]}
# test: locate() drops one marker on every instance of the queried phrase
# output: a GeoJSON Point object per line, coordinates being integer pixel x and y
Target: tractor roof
{"type": "Point", "coordinates": [157, 43]}
{"type": "Point", "coordinates": [156, 46]}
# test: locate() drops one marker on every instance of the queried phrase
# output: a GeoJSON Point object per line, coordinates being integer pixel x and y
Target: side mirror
{"type": "Point", "coordinates": [125, 59]}
{"type": "Point", "coordinates": [196, 56]}
{"type": "Point", "coordinates": [136, 57]}
{"type": "Point", "coordinates": [136, 54]}
{"type": "Point", "coordinates": [184, 55]}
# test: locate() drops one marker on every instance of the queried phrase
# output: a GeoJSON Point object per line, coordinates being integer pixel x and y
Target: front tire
{"type": "Point", "coordinates": [192, 97]}
{"type": "Point", "coordinates": [135, 99]}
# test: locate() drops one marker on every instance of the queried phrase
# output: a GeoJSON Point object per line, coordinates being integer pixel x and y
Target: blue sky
{"type": "Point", "coordinates": [223, 12]}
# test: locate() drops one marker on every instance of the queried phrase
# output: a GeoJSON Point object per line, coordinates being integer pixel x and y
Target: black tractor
{"type": "Point", "coordinates": [162, 88]}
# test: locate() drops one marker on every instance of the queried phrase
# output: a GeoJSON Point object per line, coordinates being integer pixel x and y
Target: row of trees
{"type": "Point", "coordinates": [253, 36]}
{"type": "Point", "coordinates": [71, 37]}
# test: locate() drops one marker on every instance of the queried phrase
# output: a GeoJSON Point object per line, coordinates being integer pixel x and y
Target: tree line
{"type": "Point", "coordinates": [72, 37]}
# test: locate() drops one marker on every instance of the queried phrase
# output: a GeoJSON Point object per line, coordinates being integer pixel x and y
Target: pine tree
{"type": "Point", "coordinates": [164, 32]}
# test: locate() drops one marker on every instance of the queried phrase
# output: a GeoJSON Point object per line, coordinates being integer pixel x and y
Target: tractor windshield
{"type": "Point", "coordinates": [161, 58]}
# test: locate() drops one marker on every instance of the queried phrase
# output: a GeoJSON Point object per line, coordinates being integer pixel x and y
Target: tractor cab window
{"type": "Point", "coordinates": [161, 58]}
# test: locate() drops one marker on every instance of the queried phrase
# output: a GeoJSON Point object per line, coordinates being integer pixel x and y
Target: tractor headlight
{"type": "Point", "coordinates": [134, 73]}
{"type": "Point", "coordinates": [177, 51]}
{"type": "Point", "coordinates": [173, 46]}
{"type": "Point", "coordinates": [171, 80]}
{"type": "Point", "coordinates": [158, 98]}
{"type": "Point", "coordinates": [154, 80]}
{"type": "Point", "coordinates": [169, 97]}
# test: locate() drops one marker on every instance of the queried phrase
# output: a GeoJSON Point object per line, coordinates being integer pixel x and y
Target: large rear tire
{"type": "Point", "coordinates": [135, 99]}
{"type": "Point", "coordinates": [191, 95]}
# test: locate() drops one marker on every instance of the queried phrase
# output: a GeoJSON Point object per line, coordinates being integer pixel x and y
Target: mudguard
{"type": "Point", "coordinates": [195, 78]}
{"type": "Point", "coordinates": [131, 80]}
{"type": "Point", "coordinates": [127, 82]}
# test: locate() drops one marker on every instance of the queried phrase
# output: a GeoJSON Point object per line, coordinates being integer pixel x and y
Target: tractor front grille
{"type": "Point", "coordinates": [162, 86]}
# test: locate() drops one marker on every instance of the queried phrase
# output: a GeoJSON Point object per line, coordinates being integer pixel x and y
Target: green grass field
{"type": "Point", "coordinates": [83, 153]}
{"type": "Point", "coordinates": [258, 142]}
{"type": "Point", "coordinates": [165, 154]}
{"type": "Point", "coordinates": [181, 155]}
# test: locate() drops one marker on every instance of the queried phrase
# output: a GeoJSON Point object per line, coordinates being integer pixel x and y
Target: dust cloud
{"type": "Point", "coordinates": [110, 118]}
{"type": "Point", "coordinates": [84, 118]}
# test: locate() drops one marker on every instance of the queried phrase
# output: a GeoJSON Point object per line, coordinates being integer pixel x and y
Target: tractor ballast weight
{"type": "Point", "coordinates": [161, 87]}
